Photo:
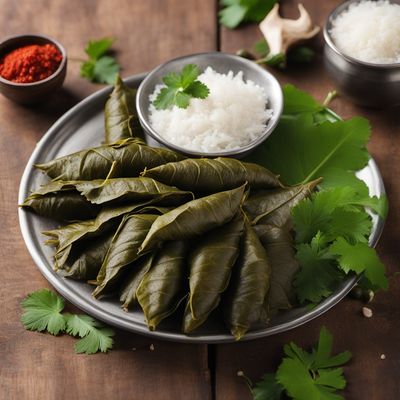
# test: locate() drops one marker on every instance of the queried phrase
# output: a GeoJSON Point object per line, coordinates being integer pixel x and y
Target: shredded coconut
{"type": "Point", "coordinates": [369, 31]}
{"type": "Point", "coordinates": [233, 115]}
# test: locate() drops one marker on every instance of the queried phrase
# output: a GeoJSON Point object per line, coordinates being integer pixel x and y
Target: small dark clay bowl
{"type": "Point", "coordinates": [35, 92]}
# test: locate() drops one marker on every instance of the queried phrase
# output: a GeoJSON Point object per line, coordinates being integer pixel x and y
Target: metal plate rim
{"type": "Point", "coordinates": [105, 316]}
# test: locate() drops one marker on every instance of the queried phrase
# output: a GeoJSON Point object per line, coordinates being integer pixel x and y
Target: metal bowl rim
{"type": "Point", "coordinates": [229, 153]}
{"type": "Point", "coordinates": [329, 41]}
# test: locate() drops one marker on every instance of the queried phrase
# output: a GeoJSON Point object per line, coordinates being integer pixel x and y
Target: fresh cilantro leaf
{"type": "Point", "coordinates": [106, 70]}
{"type": "Point", "coordinates": [42, 311]}
{"type": "Point", "coordinates": [306, 376]}
{"type": "Point", "coordinates": [360, 258]}
{"type": "Point", "coordinates": [297, 101]}
{"type": "Point", "coordinates": [237, 11]}
{"type": "Point", "coordinates": [189, 74]}
{"type": "Point", "coordinates": [96, 48]}
{"type": "Point", "coordinates": [267, 389]}
{"type": "Point", "coordinates": [323, 358]}
{"type": "Point", "coordinates": [198, 90]}
{"type": "Point", "coordinates": [180, 88]}
{"type": "Point", "coordinates": [273, 60]}
{"type": "Point", "coordinates": [317, 277]}
{"type": "Point", "coordinates": [315, 149]}
{"type": "Point", "coordinates": [99, 67]}
{"type": "Point", "coordinates": [94, 336]}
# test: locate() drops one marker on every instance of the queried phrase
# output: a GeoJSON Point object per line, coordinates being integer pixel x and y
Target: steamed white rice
{"type": "Point", "coordinates": [369, 31]}
{"type": "Point", "coordinates": [233, 115]}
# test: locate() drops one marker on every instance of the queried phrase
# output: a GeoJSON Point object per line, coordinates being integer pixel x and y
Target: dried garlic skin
{"type": "Point", "coordinates": [282, 33]}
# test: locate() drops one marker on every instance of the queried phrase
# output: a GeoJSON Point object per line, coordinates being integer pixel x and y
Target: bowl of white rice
{"type": "Point", "coordinates": [242, 108]}
{"type": "Point", "coordinates": [362, 51]}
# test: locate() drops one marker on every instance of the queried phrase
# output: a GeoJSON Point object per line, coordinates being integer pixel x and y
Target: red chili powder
{"type": "Point", "coordinates": [30, 63]}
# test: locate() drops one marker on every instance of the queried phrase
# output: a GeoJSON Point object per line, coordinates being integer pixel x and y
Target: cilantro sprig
{"type": "Point", "coordinates": [305, 375]}
{"type": "Point", "coordinates": [43, 312]}
{"type": "Point", "coordinates": [234, 12]}
{"type": "Point", "coordinates": [100, 67]}
{"type": "Point", "coordinates": [180, 88]}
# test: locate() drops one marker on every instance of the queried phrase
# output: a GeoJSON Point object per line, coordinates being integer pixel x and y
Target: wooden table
{"type": "Point", "coordinates": [38, 366]}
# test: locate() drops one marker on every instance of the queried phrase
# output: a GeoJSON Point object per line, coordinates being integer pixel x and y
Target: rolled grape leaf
{"type": "Point", "coordinates": [213, 175]}
{"type": "Point", "coordinates": [121, 120]}
{"type": "Point", "coordinates": [65, 237]}
{"type": "Point", "coordinates": [245, 301]}
{"type": "Point", "coordinates": [128, 157]}
{"type": "Point", "coordinates": [123, 250]}
{"type": "Point", "coordinates": [63, 206]}
{"type": "Point", "coordinates": [273, 207]}
{"type": "Point", "coordinates": [278, 243]}
{"type": "Point", "coordinates": [131, 283]}
{"type": "Point", "coordinates": [210, 265]}
{"type": "Point", "coordinates": [164, 286]}
{"type": "Point", "coordinates": [194, 218]}
{"type": "Point", "coordinates": [132, 189]}
{"type": "Point", "coordinates": [85, 260]}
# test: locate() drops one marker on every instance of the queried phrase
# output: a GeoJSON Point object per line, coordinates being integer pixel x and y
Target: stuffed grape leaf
{"type": "Point", "coordinates": [128, 158]}
{"type": "Point", "coordinates": [213, 175]}
{"type": "Point", "coordinates": [211, 263]}
{"type": "Point", "coordinates": [120, 116]}
{"type": "Point", "coordinates": [194, 218]}
{"type": "Point", "coordinates": [164, 285]}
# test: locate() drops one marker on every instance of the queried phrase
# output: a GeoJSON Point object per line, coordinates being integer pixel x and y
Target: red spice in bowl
{"type": "Point", "coordinates": [30, 63]}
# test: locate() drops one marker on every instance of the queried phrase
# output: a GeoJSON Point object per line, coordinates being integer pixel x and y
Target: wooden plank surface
{"type": "Point", "coordinates": [38, 366]}
{"type": "Point", "coordinates": [369, 377]}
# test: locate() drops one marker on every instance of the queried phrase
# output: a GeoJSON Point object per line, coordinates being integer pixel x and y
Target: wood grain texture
{"type": "Point", "coordinates": [369, 377]}
{"type": "Point", "coordinates": [39, 366]}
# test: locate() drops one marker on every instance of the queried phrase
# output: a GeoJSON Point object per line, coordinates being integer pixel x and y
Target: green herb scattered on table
{"type": "Point", "coordinates": [180, 88]}
{"type": "Point", "coordinates": [234, 12]}
{"type": "Point", "coordinates": [100, 67]}
{"type": "Point", "coordinates": [43, 312]}
{"type": "Point", "coordinates": [304, 375]}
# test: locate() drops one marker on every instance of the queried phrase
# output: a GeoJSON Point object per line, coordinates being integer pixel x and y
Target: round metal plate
{"type": "Point", "coordinates": [82, 127]}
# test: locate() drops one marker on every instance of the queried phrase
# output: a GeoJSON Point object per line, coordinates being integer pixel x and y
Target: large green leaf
{"type": "Point", "coordinates": [120, 116]}
{"type": "Point", "coordinates": [300, 150]}
{"type": "Point", "coordinates": [128, 158]}
{"type": "Point", "coordinates": [246, 298]}
{"type": "Point", "coordinates": [194, 218]}
{"type": "Point", "coordinates": [123, 249]}
{"type": "Point", "coordinates": [165, 285]}
{"type": "Point", "coordinates": [211, 263]}
{"type": "Point", "coordinates": [213, 175]}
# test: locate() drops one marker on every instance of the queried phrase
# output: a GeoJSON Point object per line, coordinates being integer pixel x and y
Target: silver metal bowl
{"type": "Point", "coordinates": [222, 63]}
{"type": "Point", "coordinates": [366, 84]}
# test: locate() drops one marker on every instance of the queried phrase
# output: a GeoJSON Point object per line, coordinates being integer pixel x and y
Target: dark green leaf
{"type": "Point", "coordinates": [300, 55]}
{"type": "Point", "coordinates": [121, 120]}
{"type": "Point", "coordinates": [207, 175]}
{"type": "Point", "coordinates": [164, 286]}
{"type": "Point", "coordinates": [123, 250]}
{"type": "Point", "coordinates": [129, 157]}
{"type": "Point", "coordinates": [213, 256]}
{"type": "Point", "coordinates": [194, 218]}
{"type": "Point", "coordinates": [278, 244]}
{"type": "Point", "coordinates": [267, 389]}
{"type": "Point", "coordinates": [247, 296]}
{"type": "Point", "coordinates": [63, 206]}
